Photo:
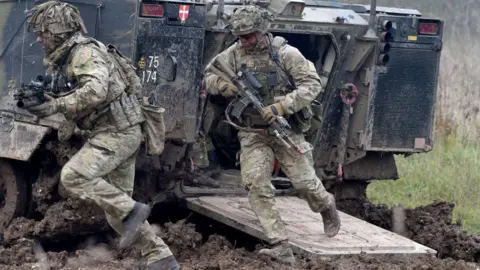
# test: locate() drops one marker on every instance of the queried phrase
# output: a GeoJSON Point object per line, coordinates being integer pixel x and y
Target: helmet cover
{"type": "Point", "coordinates": [249, 19]}
{"type": "Point", "coordinates": [55, 17]}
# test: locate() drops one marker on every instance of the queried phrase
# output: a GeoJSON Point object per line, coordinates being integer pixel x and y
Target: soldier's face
{"type": "Point", "coordinates": [250, 40]}
{"type": "Point", "coordinates": [47, 41]}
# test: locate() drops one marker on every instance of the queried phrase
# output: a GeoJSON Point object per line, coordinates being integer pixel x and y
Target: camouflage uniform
{"type": "Point", "coordinates": [258, 151]}
{"type": "Point", "coordinates": [103, 169]}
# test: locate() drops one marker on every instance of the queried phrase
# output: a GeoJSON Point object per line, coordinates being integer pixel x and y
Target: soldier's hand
{"type": "Point", "coordinates": [271, 112]}
{"type": "Point", "coordinates": [227, 89]}
{"type": "Point", "coordinates": [49, 107]}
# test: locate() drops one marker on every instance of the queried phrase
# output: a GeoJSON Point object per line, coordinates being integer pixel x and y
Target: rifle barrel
{"type": "Point", "coordinates": [28, 103]}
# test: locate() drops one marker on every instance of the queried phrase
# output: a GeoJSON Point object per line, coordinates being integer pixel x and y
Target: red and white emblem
{"type": "Point", "coordinates": [183, 12]}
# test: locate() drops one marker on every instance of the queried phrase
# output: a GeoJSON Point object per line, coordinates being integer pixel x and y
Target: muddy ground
{"type": "Point", "coordinates": [70, 234]}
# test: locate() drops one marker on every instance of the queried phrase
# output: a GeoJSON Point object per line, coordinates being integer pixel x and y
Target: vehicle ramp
{"type": "Point", "coordinates": [305, 228]}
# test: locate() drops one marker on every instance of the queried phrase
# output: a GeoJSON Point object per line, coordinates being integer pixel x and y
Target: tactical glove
{"type": "Point", "coordinates": [271, 112]}
{"type": "Point", "coordinates": [50, 107]}
{"type": "Point", "coordinates": [226, 88]}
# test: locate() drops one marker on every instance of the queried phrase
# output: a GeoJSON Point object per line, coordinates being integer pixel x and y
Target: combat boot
{"type": "Point", "coordinates": [331, 219]}
{"type": "Point", "coordinates": [132, 223]}
{"type": "Point", "coordinates": [203, 179]}
{"type": "Point", "coordinates": [281, 252]}
{"type": "Point", "coordinates": [167, 263]}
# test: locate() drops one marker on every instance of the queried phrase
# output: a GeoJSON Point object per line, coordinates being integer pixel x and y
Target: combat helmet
{"type": "Point", "coordinates": [249, 19]}
{"type": "Point", "coordinates": [55, 17]}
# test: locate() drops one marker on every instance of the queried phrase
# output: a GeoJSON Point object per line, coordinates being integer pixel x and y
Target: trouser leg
{"type": "Point", "coordinates": [256, 160]}
{"type": "Point", "coordinates": [109, 198]}
{"type": "Point", "coordinates": [151, 246]}
{"type": "Point", "coordinates": [86, 176]}
{"type": "Point", "coordinates": [299, 169]}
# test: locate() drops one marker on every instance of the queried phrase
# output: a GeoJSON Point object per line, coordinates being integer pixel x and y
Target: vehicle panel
{"type": "Point", "coordinates": [403, 107]}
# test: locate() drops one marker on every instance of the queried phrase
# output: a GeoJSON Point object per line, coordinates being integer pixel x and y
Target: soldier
{"type": "Point", "coordinates": [103, 169]}
{"type": "Point", "coordinates": [290, 84]}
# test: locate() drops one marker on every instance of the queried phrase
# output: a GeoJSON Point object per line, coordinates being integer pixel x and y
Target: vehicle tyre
{"type": "Point", "coordinates": [15, 192]}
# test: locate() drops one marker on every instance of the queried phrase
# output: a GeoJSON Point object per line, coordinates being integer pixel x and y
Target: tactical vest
{"type": "Point", "coordinates": [120, 89]}
{"type": "Point", "coordinates": [266, 67]}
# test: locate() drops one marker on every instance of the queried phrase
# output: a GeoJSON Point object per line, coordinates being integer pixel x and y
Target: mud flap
{"type": "Point", "coordinates": [305, 228]}
{"type": "Point", "coordinates": [21, 140]}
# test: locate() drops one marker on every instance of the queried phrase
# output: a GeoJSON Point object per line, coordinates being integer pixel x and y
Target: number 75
{"type": "Point", "coordinates": [153, 60]}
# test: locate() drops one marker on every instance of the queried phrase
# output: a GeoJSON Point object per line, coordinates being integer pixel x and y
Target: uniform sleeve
{"type": "Point", "coordinates": [90, 69]}
{"type": "Point", "coordinates": [211, 79]}
{"type": "Point", "coordinates": [305, 77]}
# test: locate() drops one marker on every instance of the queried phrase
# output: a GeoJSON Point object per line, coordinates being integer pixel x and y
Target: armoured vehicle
{"type": "Point", "coordinates": [379, 66]}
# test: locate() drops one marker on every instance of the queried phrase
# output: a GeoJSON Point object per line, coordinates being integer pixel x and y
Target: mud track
{"type": "Point", "coordinates": [71, 234]}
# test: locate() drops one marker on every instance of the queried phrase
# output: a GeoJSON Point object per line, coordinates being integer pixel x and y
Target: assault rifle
{"type": "Point", "coordinates": [32, 94]}
{"type": "Point", "coordinates": [248, 87]}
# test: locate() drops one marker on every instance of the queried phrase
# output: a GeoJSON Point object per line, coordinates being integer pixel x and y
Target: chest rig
{"type": "Point", "coordinates": [263, 64]}
{"type": "Point", "coordinates": [61, 84]}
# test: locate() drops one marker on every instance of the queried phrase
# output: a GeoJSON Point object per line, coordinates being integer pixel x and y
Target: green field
{"type": "Point", "coordinates": [450, 172]}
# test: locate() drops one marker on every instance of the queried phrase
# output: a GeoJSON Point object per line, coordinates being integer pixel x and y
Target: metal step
{"type": "Point", "coordinates": [305, 228]}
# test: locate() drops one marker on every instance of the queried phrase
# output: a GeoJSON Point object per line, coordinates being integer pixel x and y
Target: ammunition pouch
{"type": "Point", "coordinates": [121, 113]}
{"type": "Point", "coordinates": [308, 119]}
{"type": "Point", "coordinates": [153, 128]}
{"type": "Point", "coordinates": [317, 112]}
{"type": "Point", "coordinates": [301, 120]}
{"type": "Point", "coordinates": [125, 112]}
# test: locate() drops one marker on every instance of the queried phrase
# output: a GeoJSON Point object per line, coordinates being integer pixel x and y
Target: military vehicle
{"type": "Point", "coordinates": [379, 66]}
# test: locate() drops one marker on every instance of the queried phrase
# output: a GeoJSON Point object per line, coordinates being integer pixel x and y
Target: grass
{"type": "Point", "coordinates": [449, 173]}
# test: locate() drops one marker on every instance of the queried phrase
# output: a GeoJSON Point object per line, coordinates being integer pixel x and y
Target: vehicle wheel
{"type": "Point", "coordinates": [14, 192]}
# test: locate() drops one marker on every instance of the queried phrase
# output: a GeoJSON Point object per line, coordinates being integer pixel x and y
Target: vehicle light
{"type": "Point", "coordinates": [428, 28]}
{"type": "Point", "coordinates": [383, 59]}
{"type": "Point", "coordinates": [387, 25]}
{"type": "Point", "coordinates": [386, 37]}
{"type": "Point", "coordinates": [384, 47]}
{"type": "Point", "coordinates": [152, 10]}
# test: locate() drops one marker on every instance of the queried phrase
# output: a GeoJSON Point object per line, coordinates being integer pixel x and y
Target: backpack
{"type": "Point", "coordinates": [153, 127]}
